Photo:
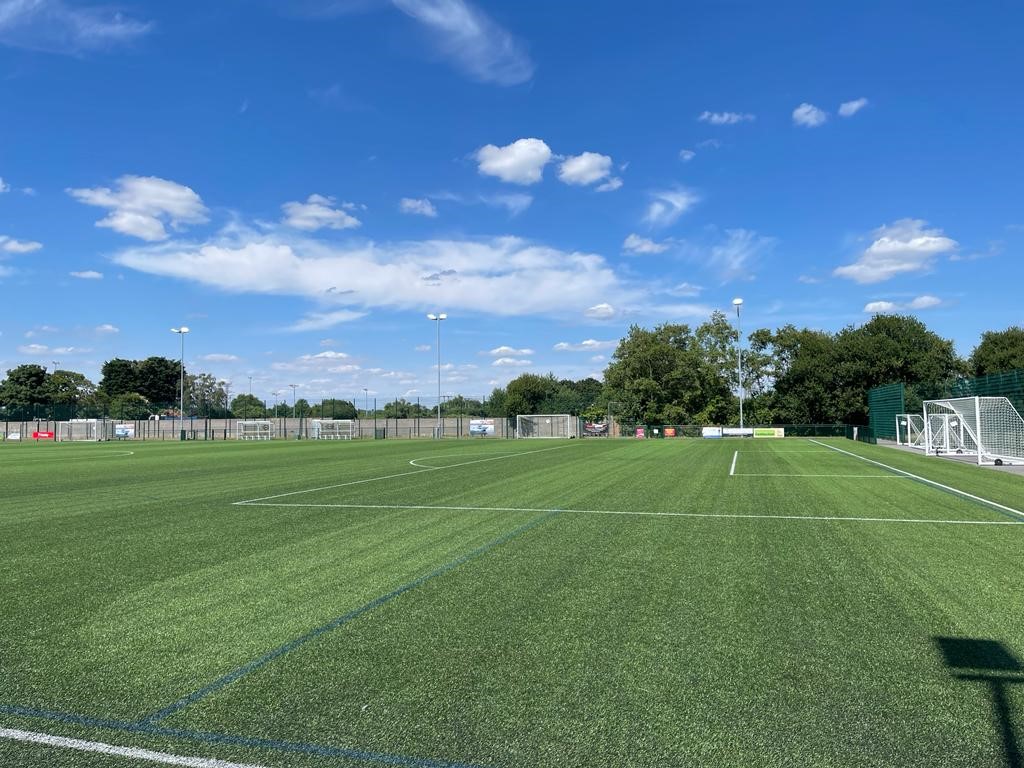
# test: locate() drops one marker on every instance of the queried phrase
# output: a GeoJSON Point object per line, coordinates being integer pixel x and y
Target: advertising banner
{"type": "Point", "coordinates": [670, 431]}
{"type": "Point", "coordinates": [124, 431]}
{"type": "Point", "coordinates": [481, 427]}
{"type": "Point", "coordinates": [43, 435]}
{"type": "Point", "coordinates": [737, 432]}
{"type": "Point", "coordinates": [711, 432]}
{"type": "Point", "coordinates": [641, 433]}
{"type": "Point", "coordinates": [595, 430]}
{"type": "Point", "coordinates": [769, 431]}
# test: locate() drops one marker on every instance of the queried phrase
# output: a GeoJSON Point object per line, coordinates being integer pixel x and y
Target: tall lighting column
{"type": "Point", "coordinates": [181, 402]}
{"type": "Point", "coordinates": [299, 433]}
{"type": "Point", "coordinates": [737, 302]}
{"type": "Point", "coordinates": [437, 318]}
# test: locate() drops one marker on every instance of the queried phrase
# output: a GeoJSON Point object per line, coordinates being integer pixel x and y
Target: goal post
{"type": "Point", "coordinates": [548, 425]}
{"type": "Point", "coordinates": [81, 430]}
{"type": "Point", "coordinates": [989, 428]}
{"type": "Point", "coordinates": [254, 430]}
{"type": "Point", "coordinates": [332, 429]}
{"type": "Point", "coordinates": [910, 430]}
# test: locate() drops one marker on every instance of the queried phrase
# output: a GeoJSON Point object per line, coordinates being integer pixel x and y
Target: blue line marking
{"type": "Point", "coordinates": [281, 650]}
{"type": "Point", "coordinates": [205, 737]}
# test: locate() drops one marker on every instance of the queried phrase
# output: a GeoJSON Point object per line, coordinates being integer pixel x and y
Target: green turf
{"type": "Point", "coordinates": [528, 603]}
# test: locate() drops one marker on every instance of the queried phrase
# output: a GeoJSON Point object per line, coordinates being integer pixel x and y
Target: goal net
{"type": "Point", "coordinates": [989, 428]}
{"type": "Point", "coordinates": [87, 430]}
{"type": "Point", "coordinates": [254, 430]}
{"type": "Point", "coordinates": [910, 430]}
{"type": "Point", "coordinates": [332, 429]}
{"type": "Point", "coordinates": [547, 425]}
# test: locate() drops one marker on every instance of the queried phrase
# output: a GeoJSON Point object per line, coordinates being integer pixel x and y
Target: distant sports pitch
{"type": "Point", "coordinates": [501, 603]}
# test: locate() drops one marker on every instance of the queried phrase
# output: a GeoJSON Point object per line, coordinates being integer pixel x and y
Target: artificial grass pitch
{"type": "Point", "coordinates": [511, 603]}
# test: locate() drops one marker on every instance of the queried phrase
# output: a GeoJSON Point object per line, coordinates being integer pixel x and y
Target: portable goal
{"type": "Point", "coordinates": [988, 428]}
{"type": "Point", "coordinates": [332, 429]}
{"type": "Point", "coordinates": [547, 425]}
{"type": "Point", "coordinates": [85, 430]}
{"type": "Point", "coordinates": [910, 430]}
{"type": "Point", "coordinates": [254, 430]}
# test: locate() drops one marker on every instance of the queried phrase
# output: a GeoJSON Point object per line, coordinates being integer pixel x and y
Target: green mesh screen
{"type": "Point", "coordinates": [884, 404]}
{"type": "Point", "coordinates": [1009, 385]}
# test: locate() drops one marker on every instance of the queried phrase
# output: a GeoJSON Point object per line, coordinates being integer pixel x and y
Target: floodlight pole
{"type": "Point", "coordinates": [293, 386]}
{"type": "Point", "coordinates": [737, 302]}
{"type": "Point", "coordinates": [437, 318]}
{"type": "Point", "coordinates": [181, 402]}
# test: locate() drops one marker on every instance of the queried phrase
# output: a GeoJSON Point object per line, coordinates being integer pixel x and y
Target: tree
{"type": "Point", "coordinates": [24, 387]}
{"type": "Point", "coordinates": [159, 379]}
{"type": "Point", "coordinates": [204, 394]}
{"type": "Point", "coordinates": [68, 387]}
{"type": "Point", "coordinates": [998, 351]}
{"type": "Point", "coordinates": [129, 406]}
{"type": "Point", "coordinates": [331, 409]}
{"type": "Point", "coordinates": [527, 393]}
{"type": "Point", "coordinates": [248, 406]}
{"type": "Point", "coordinates": [302, 407]}
{"type": "Point", "coordinates": [119, 376]}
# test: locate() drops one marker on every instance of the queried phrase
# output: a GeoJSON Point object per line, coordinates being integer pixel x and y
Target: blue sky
{"type": "Point", "coordinates": [300, 183]}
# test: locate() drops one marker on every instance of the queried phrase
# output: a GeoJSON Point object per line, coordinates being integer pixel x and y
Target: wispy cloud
{"type": "Point", "coordinates": [904, 247]}
{"type": "Point", "coordinates": [851, 108]}
{"type": "Point", "coordinates": [89, 274]}
{"type": "Point", "coordinates": [725, 118]}
{"type": "Point", "coordinates": [634, 244]}
{"type": "Point", "coordinates": [921, 302]}
{"type": "Point", "coordinates": [419, 207]}
{"type": "Point", "coordinates": [10, 245]}
{"type": "Point", "coordinates": [319, 212]}
{"type": "Point", "coordinates": [668, 205]}
{"type": "Point", "coordinates": [587, 345]}
{"type": "Point", "coordinates": [474, 42]}
{"type": "Point", "coordinates": [55, 26]}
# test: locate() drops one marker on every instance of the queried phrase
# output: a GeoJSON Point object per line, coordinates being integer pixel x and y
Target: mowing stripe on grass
{"type": "Point", "coordinates": [291, 645]}
{"type": "Point", "coordinates": [399, 474]}
{"type": "Point", "coordinates": [721, 515]}
{"type": "Point", "coordinates": [250, 742]}
{"type": "Point", "coordinates": [946, 488]}
{"type": "Point", "coordinates": [133, 753]}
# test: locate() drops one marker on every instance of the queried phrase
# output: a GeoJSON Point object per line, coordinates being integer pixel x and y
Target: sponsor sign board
{"type": "Point", "coordinates": [481, 427]}
{"type": "Point", "coordinates": [670, 431]}
{"type": "Point", "coordinates": [641, 432]}
{"type": "Point", "coordinates": [769, 431]}
{"type": "Point", "coordinates": [42, 435]}
{"type": "Point", "coordinates": [711, 432]}
{"type": "Point", "coordinates": [595, 430]}
{"type": "Point", "coordinates": [737, 432]}
{"type": "Point", "coordinates": [123, 431]}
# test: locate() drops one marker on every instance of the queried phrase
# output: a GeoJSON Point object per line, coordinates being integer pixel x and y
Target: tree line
{"type": "Point", "coordinates": [670, 374]}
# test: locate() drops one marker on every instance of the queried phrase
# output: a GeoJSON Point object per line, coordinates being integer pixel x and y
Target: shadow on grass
{"type": "Point", "coordinates": [990, 662]}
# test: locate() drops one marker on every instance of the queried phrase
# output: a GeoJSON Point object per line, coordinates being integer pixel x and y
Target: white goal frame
{"type": "Point", "coordinates": [254, 430]}
{"type": "Point", "coordinates": [81, 430]}
{"type": "Point", "coordinates": [910, 430]}
{"type": "Point", "coordinates": [988, 428]}
{"type": "Point", "coordinates": [332, 429]}
{"type": "Point", "coordinates": [547, 425]}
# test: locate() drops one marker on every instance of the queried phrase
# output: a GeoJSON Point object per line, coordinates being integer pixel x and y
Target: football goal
{"type": "Point", "coordinates": [254, 430]}
{"type": "Point", "coordinates": [87, 430]}
{"type": "Point", "coordinates": [547, 425]}
{"type": "Point", "coordinates": [910, 430]}
{"type": "Point", "coordinates": [332, 429]}
{"type": "Point", "coordinates": [986, 427]}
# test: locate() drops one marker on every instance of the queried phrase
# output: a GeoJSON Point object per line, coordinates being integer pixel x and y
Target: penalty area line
{"type": "Point", "coordinates": [132, 753]}
{"type": "Point", "coordinates": [714, 515]}
{"type": "Point", "coordinates": [946, 488]}
{"type": "Point", "coordinates": [732, 469]}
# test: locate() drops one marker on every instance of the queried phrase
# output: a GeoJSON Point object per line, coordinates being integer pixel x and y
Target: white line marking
{"type": "Point", "coordinates": [97, 455]}
{"type": "Point", "coordinates": [644, 514]}
{"type": "Point", "coordinates": [398, 474]}
{"type": "Point", "coordinates": [457, 455]}
{"type": "Point", "coordinates": [794, 474]}
{"type": "Point", "coordinates": [947, 488]}
{"type": "Point", "coordinates": [732, 469]}
{"type": "Point", "coordinates": [133, 753]}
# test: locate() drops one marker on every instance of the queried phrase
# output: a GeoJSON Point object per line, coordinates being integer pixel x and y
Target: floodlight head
{"type": "Point", "coordinates": [183, 329]}
{"type": "Point", "coordinates": [442, 316]}
{"type": "Point", "coordinates": [431, 316]}
{"type": "Point", "coordinates": [737, 302]}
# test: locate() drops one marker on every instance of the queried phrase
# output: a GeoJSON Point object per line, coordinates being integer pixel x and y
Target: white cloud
{"type": "Point", "coordinates": [725, 118]}
{"type": "Point", "coordinates": [422, 348]}
{"type": "Point", "coordinates": [70, 350]}
{"type": "Point", "coordinates": [107, 328]}
{"type": "Point", "coordinates": [611, 185]}
{"type": "Point", "coordinates": [585, 168]}
{"type": "Point", "coordinates": [587, 345]}
{"type": "Point", "coordinates": [905, 246]}
{"type": "Point", "coordinates": [88, 274]}
{"type": "Point", "coordinates": [514, 202]}
{"type": "Point", "coordinates": [921, 302]}
{"type": "Point", "coordinates": [40, 329]}
{"type": "Point", "coordinates": [504, 351]}
{"type": "Point", "coordinates": [4, 186]}
{"type": "Point", "coordinates": [10, 245]}
{"type": "Point", "coordinates": [320, 321]}
{"type": "Point", "coordinates": [421, 207]}
{"type": "Point", "coordinates": [318, 212]}
{"type": "Point", "coordinates": [686, 290]}
{"type": "Point", "coordinates": [709, 144]}
{"type": "Point", "coordinates": [57, 27]}
{"type": "Point", "coordinates": [598, 359]}
{"type": "Point", "coordinates": [602, 311]}
{"type": "Point", "coordinates": [33, 349]}
{"type": "Point", "coordinates": [736, 257]}
{"type": "Point", "coordinates": [472, 40]}
{"type": "Point", "coordinates": [531, 278]}
{"type": "Point", "coordinates": [141, 205]}
{"type": "Point", "coordinates": [636, 244]}
{"type": "Point", "coordinates": [809, 279]}
{"type": "Point", "coordinates": [851, 108]}
{"type": "Point", "coordinates": [809, 116]}
{"type": "Point", "coordinates": [686, 155]}
{"type": "Point", "coordinates": [521, 162]}
{"type": "Point", "coordinates": [327, 342]}
{"type": "Point", "coordinates": [668, 205]}
{"type": "Point", "coordinates": [510, 362]}
{"type": "Point", "coordinates": [219, 357]}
